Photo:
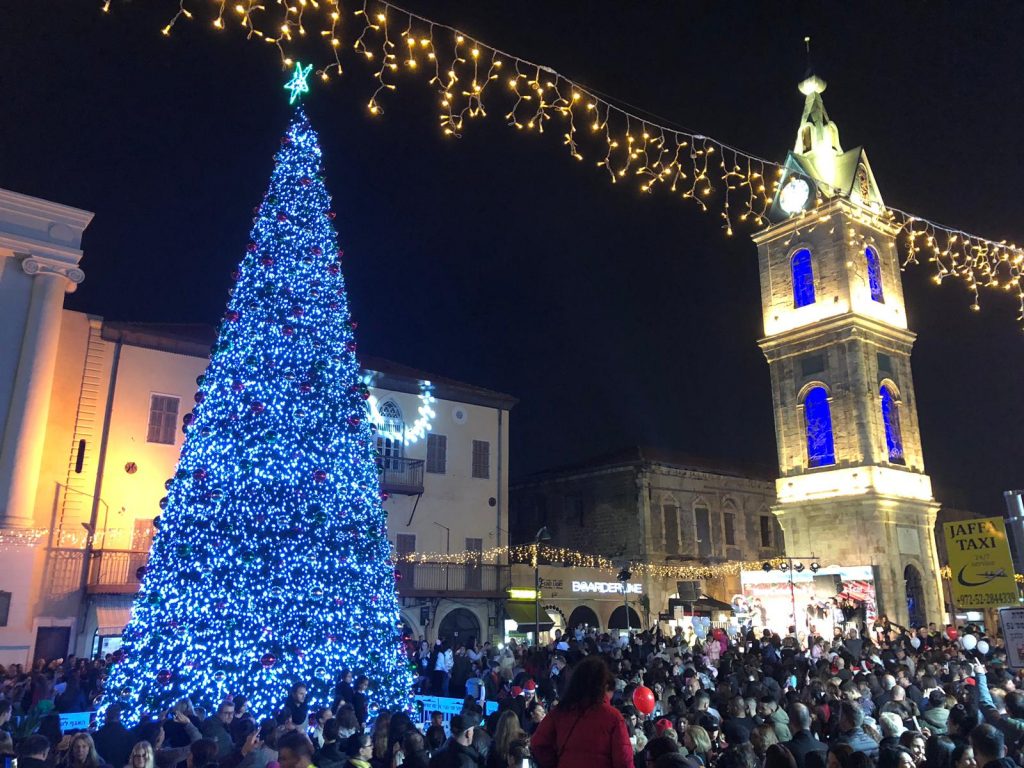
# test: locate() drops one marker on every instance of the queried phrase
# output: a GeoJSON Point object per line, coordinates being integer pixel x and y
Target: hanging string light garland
{"type": "Point", "coordinates": [650, 152]}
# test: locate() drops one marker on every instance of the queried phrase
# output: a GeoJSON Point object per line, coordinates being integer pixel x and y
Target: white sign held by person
{"type": "Point", "coordinates": [1012, 622]}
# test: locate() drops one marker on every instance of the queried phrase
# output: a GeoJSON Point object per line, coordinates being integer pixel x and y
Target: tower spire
{"type": "Point", "coordinates": [817, 137]}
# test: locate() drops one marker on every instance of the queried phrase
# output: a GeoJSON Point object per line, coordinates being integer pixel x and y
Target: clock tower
{"type": "Point", "coordinates": [852, 488]}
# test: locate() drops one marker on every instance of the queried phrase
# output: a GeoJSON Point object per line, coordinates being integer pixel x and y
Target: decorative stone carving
{"type": "Point", "coordinates": [35, 265]}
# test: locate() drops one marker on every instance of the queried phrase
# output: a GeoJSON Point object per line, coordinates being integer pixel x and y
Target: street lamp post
{"type": "Point", "coordinates": [542, 535]}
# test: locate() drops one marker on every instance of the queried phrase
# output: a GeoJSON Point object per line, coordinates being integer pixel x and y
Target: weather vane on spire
{"type": "Point", "coordinates": [298, 85]}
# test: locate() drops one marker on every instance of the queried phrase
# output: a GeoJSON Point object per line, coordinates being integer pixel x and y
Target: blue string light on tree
{"type": "Point", "coordinates": [271, 563]}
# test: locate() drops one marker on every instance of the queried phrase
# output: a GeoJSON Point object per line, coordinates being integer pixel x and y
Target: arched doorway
{"type": "Point", "coordinates": [618, 619]}
{"type": "Point", "coordinates": [459, 626]}
{"type": "Point", "coordinates": [582, 615]}
{"type": "Point", "coordinates": [915, 596]}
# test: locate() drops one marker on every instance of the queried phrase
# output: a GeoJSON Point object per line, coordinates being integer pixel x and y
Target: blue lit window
{"type": "Point", "coordinates": [874, 275]}
{"type": "Point", "coordinates": [803, 278]}
{"type": "Point", "coordinates": [891, 419]}
{"type": "Point", "coordinates": [818, 420]}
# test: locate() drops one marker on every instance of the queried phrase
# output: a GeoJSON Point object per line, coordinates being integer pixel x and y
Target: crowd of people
{"type": "Point", "coordinates": [889, 698]}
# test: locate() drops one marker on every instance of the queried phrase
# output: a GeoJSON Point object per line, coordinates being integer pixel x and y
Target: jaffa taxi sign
{"type": "Point", "coordinates": [981, 568]}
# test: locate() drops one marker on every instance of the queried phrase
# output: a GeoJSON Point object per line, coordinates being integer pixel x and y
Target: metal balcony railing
{"type": "Point", "coordinates": [115, 570]}
{"type": "Point", "coordinates": [401, 476]}
{"type": "Point", "coordinates": [463, 580]}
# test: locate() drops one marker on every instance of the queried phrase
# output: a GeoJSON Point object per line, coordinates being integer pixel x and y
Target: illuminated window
{"type": "Point", "coordinates": [803, 278]}
{"type": "Point", "coordinates": [874, 275]}
{"type": "Point", "coordinates": [818, 423]}
{"type": "Point", "coordinates": [163, 419]}
{"type": "Point", "coordinates": [891, 419]}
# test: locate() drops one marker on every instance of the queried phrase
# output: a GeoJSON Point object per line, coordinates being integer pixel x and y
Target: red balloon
{"type": "Point", "coordinates": [643, 699]}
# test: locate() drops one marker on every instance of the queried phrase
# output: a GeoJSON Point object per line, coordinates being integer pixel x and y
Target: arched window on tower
{"type": "Point", "coordinates": [891, 420]}
{"type": "Point", "coordinates": [821, 450]}
{"type": "Point", "coordinates": [803, 278]}
{"type": "Point", "coordinates": [874, 275]}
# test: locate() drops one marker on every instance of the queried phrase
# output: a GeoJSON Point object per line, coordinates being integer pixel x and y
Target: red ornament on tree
{"type": "Point", "coordinates": [164, 677]}
{"type": "Point", "coordinates": [282, 216]}
{"type": "Point", "coordinates": [320, 475]}
{"type": "Point", "coordinates": [305, 181]}
{"type": "Point", "coordinates": [331, 214]}
{"type": "Point", "coordinates": [257, 407]}
{"type": "Point", "coordinates": [268, 660]}
{"type": "Point", "coordinates": [287, 330]}
{"type": "Point", "coordinates": [316, 250]}
{"type": "Point", "coordinates": [267, 261]}
{"type": "Point", "coordinates": [251, 247]}
{"type": "Point", "coordinates": [232, 315]}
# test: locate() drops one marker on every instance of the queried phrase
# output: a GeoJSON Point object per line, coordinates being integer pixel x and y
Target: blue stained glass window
{"type": "Point", "coordinates": [803, 278]}
{"type": "Point", "coordinates": [874, 275]}
{"type": "Point", "coordinates": [891, 419]}
{"type": "Point", "coordinates": [818, 418]}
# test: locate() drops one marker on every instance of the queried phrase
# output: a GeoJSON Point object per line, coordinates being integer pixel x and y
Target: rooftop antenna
{"type": "Point", "coordinates": [807, 47]}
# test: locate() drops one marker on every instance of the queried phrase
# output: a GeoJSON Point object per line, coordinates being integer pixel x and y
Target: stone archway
{"type": "Point", "coordinates": [916, 606]}
{"type": "Point", "coordinates": [459, 625]}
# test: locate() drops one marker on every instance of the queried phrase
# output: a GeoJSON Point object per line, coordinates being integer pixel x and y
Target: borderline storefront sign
{"type": "Point", "coordinates": [607, 587]}
{"type": "Point", "coordinates": [981, 567]}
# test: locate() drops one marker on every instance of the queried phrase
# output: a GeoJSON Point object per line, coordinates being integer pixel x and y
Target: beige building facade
{"type": "Point", "coordinates": [644, 506]}
{"type": "Point", "coordinates": [91, 422]}
{"type": "Point", "coordinates": [852, 487]}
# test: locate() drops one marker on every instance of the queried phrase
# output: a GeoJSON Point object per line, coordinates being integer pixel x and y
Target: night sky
{"type": "Point", "coordinates": [617, 318]}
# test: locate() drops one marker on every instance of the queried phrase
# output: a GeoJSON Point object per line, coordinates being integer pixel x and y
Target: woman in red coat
{"type": "Point", "coordinates": [584, 730]}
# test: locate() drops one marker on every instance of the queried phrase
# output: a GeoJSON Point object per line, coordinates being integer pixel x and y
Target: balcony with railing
{"type": "Point", "coordinates": [401, 476]}
{"type": "Point", "coordinates": [115, 571]}
{"type": "Point", "coordinates": [454, 580]}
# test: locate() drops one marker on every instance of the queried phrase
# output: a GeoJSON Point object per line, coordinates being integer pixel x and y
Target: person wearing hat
{"type": "Point", "coordinates": [458, 751]}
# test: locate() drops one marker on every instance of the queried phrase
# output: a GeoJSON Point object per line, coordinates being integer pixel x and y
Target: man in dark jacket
{"type": "Point", "coordinates": [986, 741]}
{"type": "Point", "coordinates": [113, 741]}
{"type": "Point", "coordinates": [457, 751]}
{"type": "Point", "coordinates": [33, 751]}
{"type": "Point", "coordinates": [803, 741]}
{"type": "Point", "coordinates": [851, 730]}
{"type": "Point", "coordinates": [216, 727]}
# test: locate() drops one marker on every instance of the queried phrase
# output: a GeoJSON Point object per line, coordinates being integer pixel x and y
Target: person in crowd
{"type": "Point", "coordinates": [990, 747]}
{"type": "Point", "coordinates": [142, 756]}
{"type": "Point", "coordinates": [506, 733]}
{"type": "Point", "coordinates": [81, 753]}
{"type": "Point", "coordinates": [113, 741]}
{"type": "Point", "coordinates": [938, 751]}
{"type": "Point", "coordinates": [323, 715]}
{"type": "Point", "coordinates": [457, 751]}
{"type": "Point", "coordinates": [851, 730]}
{"type": "Point", "coordinates": [296, 702]}
{"type": "Point", "coordinates": [584, 730]}
{"type": "Point", "coordinates": [414, 751]}
{"type": "Point", "coordinates": [166, 756]}
{"type": "Point", "coordinates": [33, 751]}
{"type": "Point", "coordinates": [216, 727]}
{"type": "Point", "coordinates": [295, 750]}
{"type": "Point", "coordinates": [361, 699]}
{"type": "Point", "coordinates": [963, 756]}
{"type": "Point", "coordinates": [343, 690]}
{"type": "Point", "coordinates": [333, 752]}
{"type": "Point", "coordinates": [803, 741]}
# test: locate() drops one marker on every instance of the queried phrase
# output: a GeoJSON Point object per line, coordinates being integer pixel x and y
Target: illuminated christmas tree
{"type": "Point", "coordinates": [271, 563]}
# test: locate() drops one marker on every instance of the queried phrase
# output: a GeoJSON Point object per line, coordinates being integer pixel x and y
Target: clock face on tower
{"type": "Point", "coordinates": [794, 195]}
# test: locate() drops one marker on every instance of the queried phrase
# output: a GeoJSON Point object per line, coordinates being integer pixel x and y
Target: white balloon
{"type": "Point", "coordinates": [983, 647]}
{"type": "Point", "coordinates": [968, 642]}
{"type": "Point", "coordinates": [915, 642]}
